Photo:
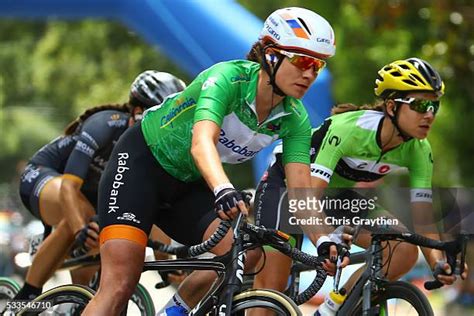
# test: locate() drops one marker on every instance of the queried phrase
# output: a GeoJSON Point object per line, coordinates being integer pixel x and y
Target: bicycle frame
{"type": "Point", "coordinates": [229, 276]}
{"type": "Point", "coordinates": [371, 279]}
{"type": "Point", "coordinates": [216, 264]}
{"type": "Point", "coordinates": [230, 282]}
{"type": "Point", "coordinates": [230, 267]}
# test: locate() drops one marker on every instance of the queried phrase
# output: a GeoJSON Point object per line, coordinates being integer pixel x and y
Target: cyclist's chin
{"type": "Point", "coordinates": [422, 132]}
{"type": "Point", "coordinates": [296, 92]}
{"type": "Point", "coordinates": [419, 134]}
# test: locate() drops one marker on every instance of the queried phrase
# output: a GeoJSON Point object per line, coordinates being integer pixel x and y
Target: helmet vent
{"type": "Point", "coordinates": [410, 82]}
{"type": "Point", "coordinates": [149, 85]}
{"type": "Point", "coordinates": [305, 26]}
{"type": "Point", "coordinates": [404, 66]}
{"type": "Point", "coordinates": [396, 74]}
{"type": "Point", "coordinates": [416, 77]}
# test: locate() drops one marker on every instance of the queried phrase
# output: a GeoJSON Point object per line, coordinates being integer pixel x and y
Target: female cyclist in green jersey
{"type": "Point", "coordinates": [174, 158]}
{"type": "Point", "coordinates": [362, 145]}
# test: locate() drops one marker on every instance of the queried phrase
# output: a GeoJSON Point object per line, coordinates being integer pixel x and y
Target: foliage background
{"type": "Point", "coordinates": [50, 71]}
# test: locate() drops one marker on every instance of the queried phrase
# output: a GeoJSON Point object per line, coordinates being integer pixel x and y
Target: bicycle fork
{"type": "Point", "coordinates": [234, 282]}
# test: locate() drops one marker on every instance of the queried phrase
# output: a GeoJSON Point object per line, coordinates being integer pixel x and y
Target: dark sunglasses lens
{"type": "Point", "coordinates": [423, 106]}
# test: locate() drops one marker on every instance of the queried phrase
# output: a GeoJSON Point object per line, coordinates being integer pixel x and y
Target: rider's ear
{"type": "Point", "coordinates": [390, 107]}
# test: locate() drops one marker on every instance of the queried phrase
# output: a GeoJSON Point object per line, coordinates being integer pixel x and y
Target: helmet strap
{"type": "Point", "coordinates": [272, 71]}
{"type": "Point", "coordinates": [394, 119]}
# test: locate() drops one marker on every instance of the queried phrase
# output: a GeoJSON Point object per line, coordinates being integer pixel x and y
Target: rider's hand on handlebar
{"type": "Point", "coordinates": [335, 244]}
{"type": "Point", "coordinates": [229, 202]}
{"type": "Point", "coordinates": [442, 272]}
{"type": "Point", "coordinates": [86, 238]}
{"type": "Point", "coordinates": [93, 235]}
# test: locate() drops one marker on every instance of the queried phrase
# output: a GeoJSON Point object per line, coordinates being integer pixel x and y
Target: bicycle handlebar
{"type": "Point", "coordinates": [262, 235]}
{"type": "Point", "coordinates": [452, 248]}
{"type": "Point", "coordinates": [319, 279]}
{"type": "Point", "coordinates": [279, 241]}
{"type": "Point", "coordinates": [196, 250]}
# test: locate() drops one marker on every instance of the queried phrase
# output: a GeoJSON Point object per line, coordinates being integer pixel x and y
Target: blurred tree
{"type": "Point", "coordinates": [52, 71]}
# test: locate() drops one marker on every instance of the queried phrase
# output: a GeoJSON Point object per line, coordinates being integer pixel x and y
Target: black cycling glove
{"type": "Point", "coordinates": [79, 247]}
{"type": "Point", "coordinates": [226, 199]}
{"type": "Point", "coordinates": [336, 238]}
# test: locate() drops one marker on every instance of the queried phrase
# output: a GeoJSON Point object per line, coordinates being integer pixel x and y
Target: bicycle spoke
{"type": "Point", "coordinates": [397, 306]}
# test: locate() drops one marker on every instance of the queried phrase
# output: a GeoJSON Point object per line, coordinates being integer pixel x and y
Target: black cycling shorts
{"type": "Point", "coordinates": [32, 182]}
{"type": "Point", "coordinates": [135, 192]}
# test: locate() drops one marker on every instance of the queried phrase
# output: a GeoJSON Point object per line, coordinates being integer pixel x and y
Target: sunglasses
{"type": "Point", "coordinates": [420, 105]}
{"type": "Point", "coordinates": [304, 62]}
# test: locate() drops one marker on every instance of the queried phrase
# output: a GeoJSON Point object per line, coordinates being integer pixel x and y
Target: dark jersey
{"type": "Point", "coordinates": [86, 152]}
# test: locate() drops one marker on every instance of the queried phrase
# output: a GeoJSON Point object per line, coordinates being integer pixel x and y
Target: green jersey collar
{"type": "Point", "coordinates": [288, 105]}
{"type": "Point", "coordinates": [276, 113]}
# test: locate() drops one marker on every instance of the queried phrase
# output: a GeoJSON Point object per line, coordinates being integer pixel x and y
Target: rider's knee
{"type": "Point", "coordinates": [253, 257]}
{"type": "Point", "coordinates": [409, 253]}
{"type": "Point", "coordinates": [120, 288]}
{"type": "Point", "coordinates": [271, 281]}
{"type": "Point", "coordinates": [406, 256]}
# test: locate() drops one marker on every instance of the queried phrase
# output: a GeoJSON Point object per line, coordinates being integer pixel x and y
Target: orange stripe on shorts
{"type": "Point", "coordinates": [123, 232]}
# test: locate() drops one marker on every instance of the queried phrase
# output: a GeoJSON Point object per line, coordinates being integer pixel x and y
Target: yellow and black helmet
{"type": "Point", "coordinates": [408, 75]}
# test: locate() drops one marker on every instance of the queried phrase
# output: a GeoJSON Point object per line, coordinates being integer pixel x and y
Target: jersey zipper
{"type": "Point", "coordinates": [382, 153]}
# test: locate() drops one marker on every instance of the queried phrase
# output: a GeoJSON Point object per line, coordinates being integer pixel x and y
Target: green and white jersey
{"type": "Point", "coordinates": [348, 149]}
{"type": "Point", "coordinates": [224, 94]}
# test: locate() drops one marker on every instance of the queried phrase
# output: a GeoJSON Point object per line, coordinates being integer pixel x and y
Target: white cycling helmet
{"type": "Point", "coordinates": [300, 30]}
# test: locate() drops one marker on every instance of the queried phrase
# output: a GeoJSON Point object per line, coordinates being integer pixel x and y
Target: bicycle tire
{"type": "Point", "coordinates": [267, 299]}
{"type": "Point", "coordinates": [8, 289]}
{"type": "Point", "coordinates": [142, 299]}
{"type": "Point", "coordinates": [72, 293]}
{"type": "Point", "coordinates": [400, 290]}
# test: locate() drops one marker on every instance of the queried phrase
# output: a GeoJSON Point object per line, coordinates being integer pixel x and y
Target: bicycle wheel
{"type": "Point", "coordinates": [275, 301]}
{"type": "Point", "coordinates": [399, 298]}
{"type": "Point", "coordinates": [62, 300]}
{"type": "Point", "coordinates": [142, 303]}
{"type": "Point", "coordinates": [8, 289]}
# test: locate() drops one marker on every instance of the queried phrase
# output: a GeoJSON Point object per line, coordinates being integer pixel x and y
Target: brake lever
{"type": "Point", "coordinates": [457, 266]}
{"type": "Point", "coordinates": [237, 223]}
{"type": "Point", "coordinates": [464, 241]}
{"type": "Point", "coordinates": [337, 276]}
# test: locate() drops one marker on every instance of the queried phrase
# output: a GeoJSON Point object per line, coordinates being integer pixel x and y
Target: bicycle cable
{"type": "Point", "coordinates": [391, 252]}
{"type": "Point", "coordinates": [381, 250]}
{"type": "Point", "coordinates": [263, 264]}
